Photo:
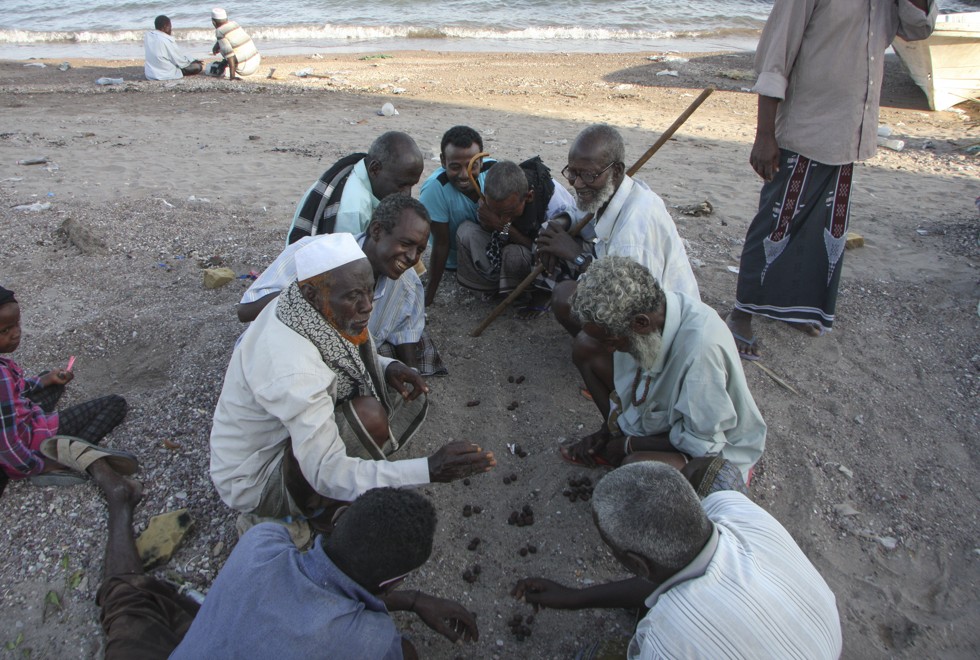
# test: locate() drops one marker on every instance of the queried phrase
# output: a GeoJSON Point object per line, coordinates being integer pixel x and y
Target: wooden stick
{"type": "Point", "coordinates": [574, 231]}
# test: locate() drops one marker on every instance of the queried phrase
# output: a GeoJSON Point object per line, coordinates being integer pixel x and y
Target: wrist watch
{"type": "Point", "coordinates": [582, 258]}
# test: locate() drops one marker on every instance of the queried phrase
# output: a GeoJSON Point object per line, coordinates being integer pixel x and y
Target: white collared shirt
{"type": "Point", "coordinates": [164, 60]}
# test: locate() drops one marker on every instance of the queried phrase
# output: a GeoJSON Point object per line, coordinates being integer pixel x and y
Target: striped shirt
{"type": "Point", "coordinates": [233, 40]}
{"type": "Point", "coordinates": [22, 422]}
{"type": "Point", "coordinates": [398, 316]}
{"type": "Point", "coordinates": [750, 593]}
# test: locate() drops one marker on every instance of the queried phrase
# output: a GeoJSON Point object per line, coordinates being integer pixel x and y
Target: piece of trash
{"type": "Point", "coordinates": [733, 269]}
{"type": "Point", "coordinates": [33, 161]}
{"type": "Point", "coordinates": [165, 202]}
{"type": "Point", "coordinates": [737, 74]}
{"type": "Point", "coordinates": [398, 90]}
{"type": "Point", "coordinates": [376, 57]}
{"type": "Point", "coordinates": [36, 206]}
{"type": "Point", "coordinates": [853, 240]}
{"type": "Point", "coordinates": [922, 232]}
{"type": "Point", "coordinates": [668, 58]}
{"type": "Point", "coordinates": [846, 471]}
{"type": "Point", "coordinates": [667, 72]}
{"type": "Point", "coordinates": [64, 66]}
{"type": "Point", "coordinates": [302, 73]}
{"type": "Point", "coordinates": [40, 65]}
{"type": "Point", "coordinates": [697, 210]}
{"type": "Point", "coordinates": [894, 145]}
{"type": "Point", "coordinates": [50, 194]}
{"type": "Point", "coordinates": [51, 167]}
{"type": "Point", "coordinates": [888, 542]}
{"type": "Point", "coordinates": [109, 81]}
{"type": "Point", "coordinates": [884, 131]}
{"type": "Point", "coordinates": [316, 56]}
{"type": "Point", "coordinates": [205, 200]}
{"type": "Point", "coordinates": [846, 510]}
{"type": "Point", "coordinates": [387, 110]}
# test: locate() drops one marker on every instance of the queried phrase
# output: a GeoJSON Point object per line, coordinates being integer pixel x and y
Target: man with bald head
{"type": "Point", "coordinates": [309, 412]}
{"type": "Point", "coordinates": [630, 220]}
{"type": "Point", "coordinates": [345, 196]}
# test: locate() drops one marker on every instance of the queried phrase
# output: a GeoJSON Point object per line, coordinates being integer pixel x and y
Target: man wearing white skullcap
{"type": "Point", "coordinates": [309, 412]}
{"type": "Point", "coordinates": [241, 57]}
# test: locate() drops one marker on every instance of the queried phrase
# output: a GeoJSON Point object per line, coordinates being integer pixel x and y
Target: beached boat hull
{"type": "Point", "coordinates": [947, 64]}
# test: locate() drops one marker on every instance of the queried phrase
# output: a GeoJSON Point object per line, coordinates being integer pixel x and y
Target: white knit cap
{"type": "Point", "coordinates": [325, 253]}
{"type": "Point", "coordinates": [219, 14]}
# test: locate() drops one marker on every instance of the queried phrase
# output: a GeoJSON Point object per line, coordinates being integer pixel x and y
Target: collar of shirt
{"type": "Point", "coordinates": [607, 221]}
{"type": "Point", "coordinates": [320, 569]}
{"type": "Point", "coordinates": [695, 569]}
{"type": "Point", "coordinates": [382, 284]}
{"type": "Point", "coordinates": [360, 172]}
{"type": "Point", "coordinates": [672, 321]}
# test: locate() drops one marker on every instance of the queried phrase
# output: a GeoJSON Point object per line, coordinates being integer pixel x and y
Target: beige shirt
{"type": "Point", "coordinates": [277, 387]}
{"type": "Point", "coordinates": [824, 60]}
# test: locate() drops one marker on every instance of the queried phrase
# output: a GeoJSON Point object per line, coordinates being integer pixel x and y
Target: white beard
{"type": "Point", "coordinates": [602, 196]}
{"type": "Point", "coordinates": [645, 349]}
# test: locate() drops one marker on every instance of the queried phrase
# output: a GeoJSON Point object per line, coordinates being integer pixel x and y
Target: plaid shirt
{"type": "Point", "coordinates": [23, 424]}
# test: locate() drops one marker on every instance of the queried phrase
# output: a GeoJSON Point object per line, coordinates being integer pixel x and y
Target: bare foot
{"type": "Point", "coordinates": [811, 329]}
{"type": "Point", "coordinates": [117, 488]}
{"type": "Point", "coordinates": [740, 324]}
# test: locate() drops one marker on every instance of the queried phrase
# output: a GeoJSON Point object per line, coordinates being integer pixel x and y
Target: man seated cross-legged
{"type": "Point", "coordinates": [309, 412]}
{"type": "Point", "coordinates": [675, 389]}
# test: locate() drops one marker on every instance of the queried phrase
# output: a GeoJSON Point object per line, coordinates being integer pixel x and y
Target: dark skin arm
{"type": "Point", "coordinates": [457, 460]}
{"type": "Point", "coordinates": [232, 67]}
{"type": "Point", "coordinates": [626, 594]}
{"type": "Point", "coordinates": [555, 244]}
{"type": "Point", "coordinates": [437, 262]}
{"type": "Point", "coordinates": [406, 353]}
{"type": "Point", "coordinates": [407, 381]}
{"type": "Point", "coordinates": [765, 151]}
{"type": "Point", "coordinates": [446, 617]}
{"type": "Point", "coordinates": [249, 311]}
{"type": "Point", "coordinates": [59, 377]}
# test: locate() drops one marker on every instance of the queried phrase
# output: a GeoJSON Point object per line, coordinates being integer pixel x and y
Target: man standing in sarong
{"type": "Point", "coordinates": [820, 66]}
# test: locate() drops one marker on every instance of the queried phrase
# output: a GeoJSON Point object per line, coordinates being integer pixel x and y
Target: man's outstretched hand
{"type": "Point", "coordinates": [540, 592]}
{"type": "Point", "coordinates": [446, 617]}
{"type": "Point", "coordinates": [401, 377]}
{"type": "Point", "coordinates": [459, 459]}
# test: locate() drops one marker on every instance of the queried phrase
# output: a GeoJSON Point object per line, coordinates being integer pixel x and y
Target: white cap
{"type": "Point", "coordinates": [219, 14]}
{"type": "Point", "coordinates": [326, 253]}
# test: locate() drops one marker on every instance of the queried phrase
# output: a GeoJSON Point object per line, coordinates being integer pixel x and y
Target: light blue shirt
{"type": "Point", "coordinates": [445, 205]}
{"type": "Point", "coordinates": [272, 601]}
{"type": "Point", "coordinates": [357, 203]}
{"type": "Point", "coordinates": [697, 391]}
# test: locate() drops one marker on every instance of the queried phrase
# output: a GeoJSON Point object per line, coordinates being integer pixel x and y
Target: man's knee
{"type": "Point", "coordinates": [192, 69]}
{"type": "Point", "coordinates": [561, 301]}
{"type": "Point", "coordinates": [585, 350]}
{"type": "Point", "coordinates": [373, 418]}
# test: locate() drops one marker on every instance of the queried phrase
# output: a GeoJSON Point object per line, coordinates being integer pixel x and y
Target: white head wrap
{"type": "Point", "coordinates": [326, 253]}
{"type": "Point", "coordinates": [219, 14]}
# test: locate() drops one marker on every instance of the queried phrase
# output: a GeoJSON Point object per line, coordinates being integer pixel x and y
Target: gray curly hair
{"type": "Point", "coordinates": [613, 291]}
{"type": "Point", "coordinates": [649, 508]}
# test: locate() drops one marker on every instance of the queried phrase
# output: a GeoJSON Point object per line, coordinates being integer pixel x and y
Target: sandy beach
{"type": "Point", "coordinates": [872, 456]}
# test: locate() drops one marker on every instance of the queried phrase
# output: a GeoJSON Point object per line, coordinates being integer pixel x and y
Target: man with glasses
{"type": "Point", "coordinates": [630, 220]}
{"type": "Point", "coordinates": [451, 199]}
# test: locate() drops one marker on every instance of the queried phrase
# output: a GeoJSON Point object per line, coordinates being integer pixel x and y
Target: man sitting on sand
{"type": "Point", "coordinates": [270, 599]}
{"type": "Point", "coordinates": [675, 389]}
{"type": "Point", "coordinates": [305, 414]}
{"type": "Point", "coordinates": [451, 199]}
{"type": "Point", "coordinates": [31, 432]}
{"type": "Point", "coordinates": [241, 57]}
{"type": "Point", "coordinates": [164, 61]}
{"type": "Point", "coordinates": [394, 243]}
{"type": "Point", "coordinates": [721, 578]}
{"type": "Point", "coordinates": [495, 254]}
{"type": "Point", "coordinates": [346, 195]}
{"type": "Point", "coordinates": [630, 221]}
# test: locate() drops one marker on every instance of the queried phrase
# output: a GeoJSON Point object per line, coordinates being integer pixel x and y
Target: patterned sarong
{"type": "Point", "coordinates": [794, 249]}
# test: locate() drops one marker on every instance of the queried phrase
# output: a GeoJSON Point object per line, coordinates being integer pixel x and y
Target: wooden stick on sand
{"type": "Point", "coordinates": [574, 231]}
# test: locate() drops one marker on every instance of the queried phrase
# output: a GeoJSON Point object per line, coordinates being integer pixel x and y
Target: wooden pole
{"type": "Point", "coordinates": [574, 231]}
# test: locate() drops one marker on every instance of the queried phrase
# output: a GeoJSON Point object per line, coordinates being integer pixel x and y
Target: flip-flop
{"type": "Point", "coordinates": [79, 454]}
{"type": "Point", "coordinates": [584, 391]}
{"type": "Point", "coordinates": [749, 343]}
{"type": "Point", "coordinates": [58, 478]}
{"type": "Point", "coordinates": [532, 312]}
{"type": "Point", "coordinates": [598, 460]}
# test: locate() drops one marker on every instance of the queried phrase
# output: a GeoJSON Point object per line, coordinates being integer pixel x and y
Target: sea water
{"type": "Point", "coordinates": [114, 30]}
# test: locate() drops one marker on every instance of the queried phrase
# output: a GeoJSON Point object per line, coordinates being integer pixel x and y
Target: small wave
{"type": "Point", "coordinates": [328, 31]}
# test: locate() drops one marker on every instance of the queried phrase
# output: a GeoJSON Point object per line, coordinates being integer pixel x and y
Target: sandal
{"type": "Point", "coordinates": [78, 454]}
{"type": "Point", "coordinates": [58, 478]}
{"type": "Point", "coordinates": [749, 343]}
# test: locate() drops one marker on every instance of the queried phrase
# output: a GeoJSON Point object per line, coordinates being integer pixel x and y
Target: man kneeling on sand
{"type": "Point", "coordinates": [721, 578]}
{"type": "Point", "coordinates": [306, 416]}
{"type": "Point", "coordinates": [676, 389]}
{"type": "Point", "coordinates": [270, 599]}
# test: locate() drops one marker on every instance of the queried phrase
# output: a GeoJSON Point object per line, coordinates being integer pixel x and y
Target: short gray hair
{"type": "Point", "coordinates": [505, 178]}
{"type": "Point", "coordinates": [608, 140]}
{"type": "Point", "coordinates": [613, 291]}
{"type": "Point", "coordinates": [650, 509]}
{"type": "Point", "coordinates": [393, 148]}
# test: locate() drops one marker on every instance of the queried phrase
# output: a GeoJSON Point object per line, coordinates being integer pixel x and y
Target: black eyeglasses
{"type": "Point", "coordinates": [586, 177]}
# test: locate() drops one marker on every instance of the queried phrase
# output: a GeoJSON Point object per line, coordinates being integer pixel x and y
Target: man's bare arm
{"type": "Point", "coordinates": [765, 151]}
{"type": "Point", "coordinates": [249, 311]}
{"type": "Point", "coordinates": [437, 262]}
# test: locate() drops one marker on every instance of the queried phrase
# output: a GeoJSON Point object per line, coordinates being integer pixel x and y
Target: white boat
{"type": "Point", "coordinates": [947, 64]}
